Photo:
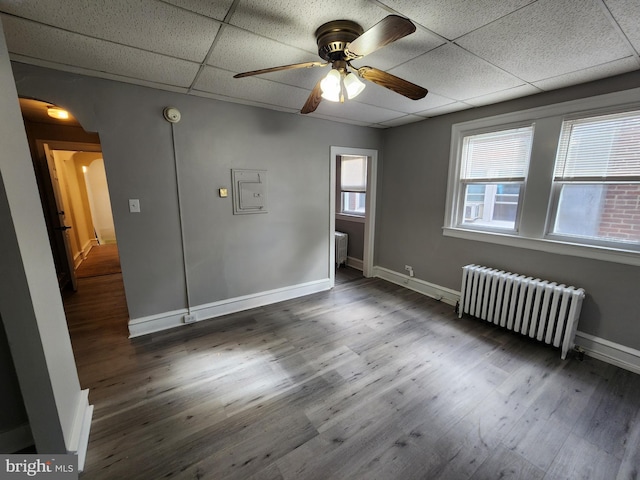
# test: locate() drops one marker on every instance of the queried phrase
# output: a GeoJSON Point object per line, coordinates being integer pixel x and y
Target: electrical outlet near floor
{"type": "Point", "coordinates": [409, 269]}
{"type": "Point", "coordinates": [190, 318]}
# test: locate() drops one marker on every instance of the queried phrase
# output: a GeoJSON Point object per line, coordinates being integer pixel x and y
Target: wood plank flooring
{"type": "Point", "coordinates": [367, 381]}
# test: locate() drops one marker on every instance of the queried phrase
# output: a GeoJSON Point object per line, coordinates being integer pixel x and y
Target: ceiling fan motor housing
{"type": "Point", "coordinates": [333, 37]}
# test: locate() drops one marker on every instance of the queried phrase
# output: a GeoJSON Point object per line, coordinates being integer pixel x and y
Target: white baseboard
{"type": "Point", "coordinates": [82, 256]}
{"type": "Point", "coordinates": [156, 323]}
{"type": "Point", "coordinates": [164, 321]}
{"type": "Point", "coordinates": [432, 290]}
{"type": "Point", "coordinates": [600, 348]}
{"type": "Point", "coordinates": [79, 441]}
{"type": "Point", "coordinates": [355, 263]}
{"type": "Point", "coordinates": [610, 352]}
{"type": "Point", "coordinates": [16, 439]}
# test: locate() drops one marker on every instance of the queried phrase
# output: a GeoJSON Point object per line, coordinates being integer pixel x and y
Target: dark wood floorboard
{"type": "Point", "coordinates": [366, 381]}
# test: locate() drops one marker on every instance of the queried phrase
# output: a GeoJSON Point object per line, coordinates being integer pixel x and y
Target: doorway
{"type": "Point", "coordinates": [364, 225]}
{"type": "Point", "coordinates": [74, 192]}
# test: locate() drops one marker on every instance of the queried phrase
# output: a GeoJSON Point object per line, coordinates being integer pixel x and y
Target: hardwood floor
{"type": "Point", "coordinates": [367, 381]}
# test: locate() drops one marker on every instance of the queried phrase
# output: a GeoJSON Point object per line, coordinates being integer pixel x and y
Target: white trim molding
{"type": "Point", "coordinates": [609, 352]}
{"type": "Point", "coordinates": [79, 441]}
{"type": "Point", "coordinates": [16, 439]}
{"type": "Point", "coordinates": [355, 263]}
{"type": "Point", "coordinates": [164, 321]}
{"type": "Point", "coordinates": [444, 294]}
{"type": "Point", "coordinates": [599, 348]}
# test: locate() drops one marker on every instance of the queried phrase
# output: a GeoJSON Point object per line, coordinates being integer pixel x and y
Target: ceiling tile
{"type": "Point", "coordinates": [217, 9]}
{"type": "Point", "coordinates": [627, 13]}
{"type": "Point", "coordinates": [407, 119]}
{"type": "Point", "coordinates": [503, 95]}
{"type": "Point", "coordinates": [588, 74]}
{"type": "Point", "coordinates": [58, 46]}
{"type": "Point", "coordinates": [450, 108]}
{"type": "Point", "coordinates": [257, 52]}
{"type": "Point", "coordinates": [256, 89]}
{"type": "Point", "coordinates": [381, 97]}
{"type": "Point", "coordinates": [295, 23]}
{"type": "Point", "coordinates": [452, 72]}
{"type": "Point", "coordinates": [146, 24]}
{"type": "Point", "coordinates": [453, 18]}
{"type": "Point", "coordinates": [548, 38]}
{"type": "Point", "coordinates": [402, 50]}
{"type": "Point", "coordinates": [355, 111]}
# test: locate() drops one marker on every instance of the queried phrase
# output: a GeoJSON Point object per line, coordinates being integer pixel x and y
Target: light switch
{"type": "Point", "coordinates": [134, 205]}
{"type": "Point", "coordinates": [222, 192]}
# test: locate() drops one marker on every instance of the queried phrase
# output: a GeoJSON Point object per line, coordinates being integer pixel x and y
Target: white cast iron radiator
{"type": "Point", "coordinates": [541, 309]}
{"type": "Point", "coordinates": [342, 241]}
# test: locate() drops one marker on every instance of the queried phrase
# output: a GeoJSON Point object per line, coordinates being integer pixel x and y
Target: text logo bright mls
{"type": "Point", "coordinates": [58, 467]}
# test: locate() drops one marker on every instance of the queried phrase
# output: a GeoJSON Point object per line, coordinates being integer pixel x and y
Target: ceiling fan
{"type": "Point", "coordinates": [339, 43]}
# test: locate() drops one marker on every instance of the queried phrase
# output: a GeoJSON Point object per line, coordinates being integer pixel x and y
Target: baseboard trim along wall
{"type": "Point", "coordinates": [355, 263]}
{"type": "Point", "coordinates": [164, 321]}
{"type": "Point", "coordinates": [432, 290]}
{"type": "Point", "coordinates": [610, 352]}
{"type": "Point", "coordinates": [79, 441]}
{"type": "Point", "coordinates": [600, 348]}
{"type": "Point", "coordinates": [16, 439]}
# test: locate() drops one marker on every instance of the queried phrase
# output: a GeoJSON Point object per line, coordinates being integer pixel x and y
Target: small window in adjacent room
{"type": "Point", "coordinates": [353, 184]}
{"type": "Point", "coordinates": [596, 189]}
{"type": "Point", "coordinates": [493, 169]}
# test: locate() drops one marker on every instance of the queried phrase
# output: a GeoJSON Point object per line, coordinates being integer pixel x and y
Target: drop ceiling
{"type": "Point", "coordinates": [467, 53]}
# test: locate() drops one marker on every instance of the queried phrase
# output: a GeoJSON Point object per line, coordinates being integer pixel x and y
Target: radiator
{"type": "Point", "coordinates": [342, 241]}
{"type": "Point", "coordinates": [538, 308]}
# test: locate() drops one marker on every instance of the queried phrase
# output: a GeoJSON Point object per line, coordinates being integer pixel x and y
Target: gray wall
{"type": "Point", "coordinates": [355, 230]}
{"type": "Point", "coordinates": [227, 255]}
{"type": "Point", "coordinates": [411, 216]}
{"type": "Point", "coordinates": [12, 411]}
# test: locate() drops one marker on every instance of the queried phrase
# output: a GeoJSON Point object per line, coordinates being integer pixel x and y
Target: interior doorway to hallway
{"type": "Point", "coordinates": [73, 189]}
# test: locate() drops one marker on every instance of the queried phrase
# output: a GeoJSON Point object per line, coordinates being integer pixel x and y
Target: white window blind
{"type": "Point", "coordinates": [353, 173]}
{"type": "Point", "coordinates": [599, 148]}
{"type": "Point", "coordinates": [502, 155]}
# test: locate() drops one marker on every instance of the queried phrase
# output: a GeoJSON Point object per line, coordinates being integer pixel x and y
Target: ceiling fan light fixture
{"type": "Point", "coordinates": [330, 86]}
{"type": "Point", "coordinates": [353, 85]}
{"type": "Point", "coordinates": [57, 112]}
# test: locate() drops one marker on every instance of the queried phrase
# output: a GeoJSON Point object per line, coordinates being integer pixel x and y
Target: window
{"type": "Point", "coordinates": [492, 175]}
{"type": "Point", "coordinates": [597, 179]}
{"type": "Point", "coordinates": [561, 178]}
{"type": "Point", "coordinates": [353, 184]}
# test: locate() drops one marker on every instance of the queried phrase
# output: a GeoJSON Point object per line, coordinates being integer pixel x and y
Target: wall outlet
{"type": "Point", "coordinates": [189, 318]}
{"type": "Point", "coordinates": [409, 269]}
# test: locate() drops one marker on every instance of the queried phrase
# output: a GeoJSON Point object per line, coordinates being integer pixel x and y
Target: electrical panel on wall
{"type": "Point", "coordinates": [249, 191]}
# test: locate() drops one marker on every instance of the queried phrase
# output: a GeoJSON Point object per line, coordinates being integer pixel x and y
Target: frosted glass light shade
{"type": "Point", "coordinates": [353, 85]}
{"type": "Point", "coordinates": [330, 86]}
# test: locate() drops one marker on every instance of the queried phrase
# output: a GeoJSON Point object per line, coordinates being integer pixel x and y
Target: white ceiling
{"type": "Point", "coordinates": [466, 52]}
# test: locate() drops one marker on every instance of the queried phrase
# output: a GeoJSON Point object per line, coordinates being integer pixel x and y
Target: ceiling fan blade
{"type": "Point", "coordinates": [398, 85]}
{"type": "Point", "coordinates": [387, 30]}
{"type": "Point", "coordinates": [313, 100]}
{"type": "Point", "coordinates": [283, 67]}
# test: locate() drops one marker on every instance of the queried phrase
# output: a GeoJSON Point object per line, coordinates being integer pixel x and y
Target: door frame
{"type": "Point", "coordinates": [42, 145]}
{"type": "Point", "coordinates": [370, 202]}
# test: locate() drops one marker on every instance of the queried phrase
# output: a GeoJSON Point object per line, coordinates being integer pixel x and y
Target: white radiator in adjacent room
{"type": "Point", "coordinates": [538, 308]}
{"type": "Point", "coordinates": [342, 241]}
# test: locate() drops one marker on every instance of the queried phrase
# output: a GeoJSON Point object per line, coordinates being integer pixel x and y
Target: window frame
{"type": "Point", "coordinates": [458, 214]}
{"type": "Point", "coordinates": [340, 191]}
{"type": "Point", "coordinates": [539, 202]}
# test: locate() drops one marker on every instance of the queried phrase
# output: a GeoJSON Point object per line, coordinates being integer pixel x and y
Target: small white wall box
{"type": "Point", "coordinates": [249, 191]}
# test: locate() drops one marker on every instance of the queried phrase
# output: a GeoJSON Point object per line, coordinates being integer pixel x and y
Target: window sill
{"type": "Point", "coordinates": [627, 257]}
{"type": "Point", "coordinates": [350, 218]}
